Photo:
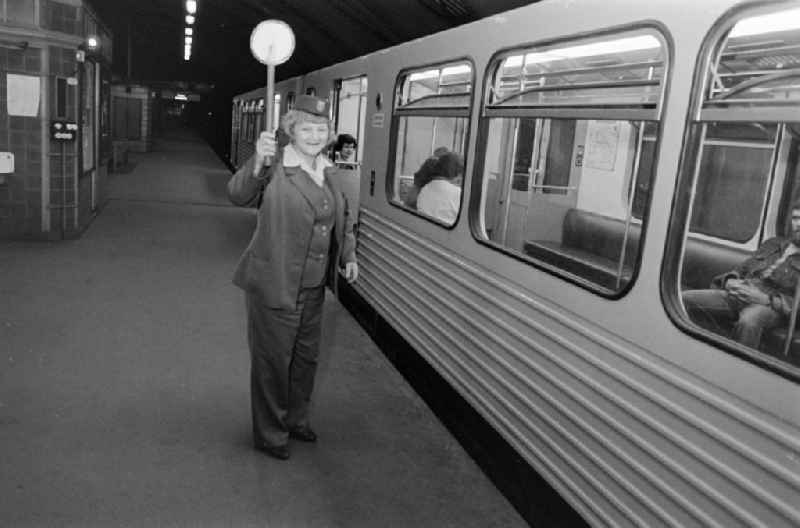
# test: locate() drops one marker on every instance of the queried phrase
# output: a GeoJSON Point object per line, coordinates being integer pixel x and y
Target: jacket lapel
{"type": "Point", "coordinates": [296, 175]}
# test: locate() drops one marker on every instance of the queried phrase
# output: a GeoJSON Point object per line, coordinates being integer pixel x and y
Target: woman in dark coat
{"type": "Point", "coordinates": [304, 233]}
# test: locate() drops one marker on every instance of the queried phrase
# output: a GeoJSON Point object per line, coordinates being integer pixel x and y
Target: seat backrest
{"type": "Point", "coordinates": [603, 236]}
{"type": "Point", "coordinates": [705, 260]}
{"type": "Point", "coordinates": [600, 235]}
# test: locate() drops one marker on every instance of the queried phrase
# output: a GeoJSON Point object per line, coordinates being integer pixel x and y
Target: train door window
{"type": "Point", "coordinates": [351, 107]}
{"type": "Point", "coordinates": [251, 121]}
{"type": "Point", "coordinates": [430, 125]}
{"type": "Point", "coordinates": [259, 119]}
{"type": "Point", "coordinates": [290, 101]}
{"type": "Point", "coordinates": [570, 136]}
{"type": "Point", "coordinates": [733, 257]}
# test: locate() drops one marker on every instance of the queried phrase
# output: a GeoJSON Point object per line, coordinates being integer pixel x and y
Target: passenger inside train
{"type": "Point", "coordinates": [757, 295]}
{"type": "Point", "coordinates": [344, 150]}
{"type": "Point", "coordinates": [440, 198]}
{"type": "Point", "coordinates": [423, 176]}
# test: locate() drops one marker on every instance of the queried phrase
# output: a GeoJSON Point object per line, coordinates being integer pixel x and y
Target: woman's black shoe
{"type": "Point", "coordinates": [304, 434]}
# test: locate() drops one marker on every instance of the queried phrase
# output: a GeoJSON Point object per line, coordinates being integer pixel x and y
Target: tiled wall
{"type": "Point", "coordinates": [21, 214]}
{"type": "Point", "coordinates": [20, 195]}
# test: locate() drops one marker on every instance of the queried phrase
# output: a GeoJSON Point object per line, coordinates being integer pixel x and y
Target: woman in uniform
{"type": "Point", "coordinates": [304, 233]}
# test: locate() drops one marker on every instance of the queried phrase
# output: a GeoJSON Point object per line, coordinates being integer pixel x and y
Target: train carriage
{"type": "Point", "coordinates": [617, 155]}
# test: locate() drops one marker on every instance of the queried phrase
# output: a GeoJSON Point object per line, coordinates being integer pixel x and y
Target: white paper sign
{"type": "Point", "coordinates": [23, 95]}
{"type": "Point", "coordinates": [377, 120]}
{"type": "Point", "coordinates": [601, 145]}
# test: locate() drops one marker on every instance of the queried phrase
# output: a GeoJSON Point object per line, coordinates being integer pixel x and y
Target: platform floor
{"type": "Point", "coordinates": [124, 384]}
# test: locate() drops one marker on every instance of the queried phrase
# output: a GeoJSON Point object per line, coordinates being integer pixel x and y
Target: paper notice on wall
{"type": "Point", "coordinates": [602, 140]}
{"type": "Point", "coordinates": [23, 95]}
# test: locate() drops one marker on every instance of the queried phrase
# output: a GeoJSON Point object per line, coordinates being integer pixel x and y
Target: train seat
{"type": "Point", "coordinates": [705, 260]}
{"type": "Point", "coordinates": [590, 247]}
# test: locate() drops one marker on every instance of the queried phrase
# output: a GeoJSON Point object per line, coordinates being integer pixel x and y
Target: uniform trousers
{"type": "Point", "coordinates": [284, 348]}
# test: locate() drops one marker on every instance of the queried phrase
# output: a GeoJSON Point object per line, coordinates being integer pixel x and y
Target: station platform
{"type": "Point", "coordinates": [124, 383]}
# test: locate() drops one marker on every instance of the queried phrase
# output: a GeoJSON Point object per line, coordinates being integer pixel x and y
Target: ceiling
{"type": "Point", "coordinates": [326, 32]}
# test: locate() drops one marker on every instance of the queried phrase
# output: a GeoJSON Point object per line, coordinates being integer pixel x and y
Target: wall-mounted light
{"type": "Point", "coordinates": [188, 31]}
{"type": "Point", "coordinates": [92, 42]}
{"type": "Point", "coordinates": [189, 19]}
{"type": "Point", "coordinates": [181, 97]}
{"type": "Point", "coordinates": [191, 6]}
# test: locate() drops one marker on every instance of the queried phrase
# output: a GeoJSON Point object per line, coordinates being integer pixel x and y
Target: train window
{"type": "Point", "coordinates": [430, 118]}
{"type": "Point", "coordinates": [733, 258]}
{"type": "Point", "coordinates": [571, 135]}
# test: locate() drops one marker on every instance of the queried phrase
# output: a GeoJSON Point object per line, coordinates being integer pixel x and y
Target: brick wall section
{"type": "Point", "coordinates": [20, 196]}
{"type": "Point", "coordinates": [62, 177]}
{"type": "Point", "coordinates": [21, 191]}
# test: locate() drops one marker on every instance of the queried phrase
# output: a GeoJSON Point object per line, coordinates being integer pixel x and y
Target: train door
{"type": "Point", "coordinates": [514, 177]}
{"type": "Point", "coordinates": [350, 109]}
{"type": "Point", "coordinates": [538, 178]}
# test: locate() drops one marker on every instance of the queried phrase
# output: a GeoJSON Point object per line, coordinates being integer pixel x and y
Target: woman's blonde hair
{"type": "Point", "coordinates": [294, 117]}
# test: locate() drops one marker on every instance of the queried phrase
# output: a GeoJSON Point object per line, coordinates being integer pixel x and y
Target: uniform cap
{"type": "Point", "coordinates": [312, 105]}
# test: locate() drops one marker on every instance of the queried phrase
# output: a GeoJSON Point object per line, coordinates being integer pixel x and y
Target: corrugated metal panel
{"type": "Point", "coordinates": [620, 434]}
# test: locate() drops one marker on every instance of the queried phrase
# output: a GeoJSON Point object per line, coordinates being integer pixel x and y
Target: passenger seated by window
{"type": "Point", "coordinates": [441, 197]}
{"type": "Point", "coordinates": [344, 150]}
{"type": "Point", "coordinates": [757, 295]}
{"type": "Point", "coordinates": [423, 176]}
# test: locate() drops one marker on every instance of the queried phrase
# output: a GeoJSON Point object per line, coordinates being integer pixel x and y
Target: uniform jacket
{"type": "Point", "coordinates": [272, 264]}
{"type": "Point", "coordinates": [783, 280]}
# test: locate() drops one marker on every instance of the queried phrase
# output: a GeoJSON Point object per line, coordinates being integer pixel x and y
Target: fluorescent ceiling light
{"type": "Point", "coordinates": [424, 75]}
{"type": "Point", "coordinates": [181, 97]}
{"type": "Point", "coordinates": [191, 6]}
{"type": "Point", "coordinates": [771, 23]}
{"type": "Point", "coordinates": [188, 31]}
{"type": "Point", "coordinates": [513, 61]}
{"type": "Point", "coordinates": [189, 19]}
{"type": "Point", "coordinates": [608, 47]}
{"type": "Point", "coordinates": [455, 70]}
{"type": "Point", "coordinates": [187, 40]}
